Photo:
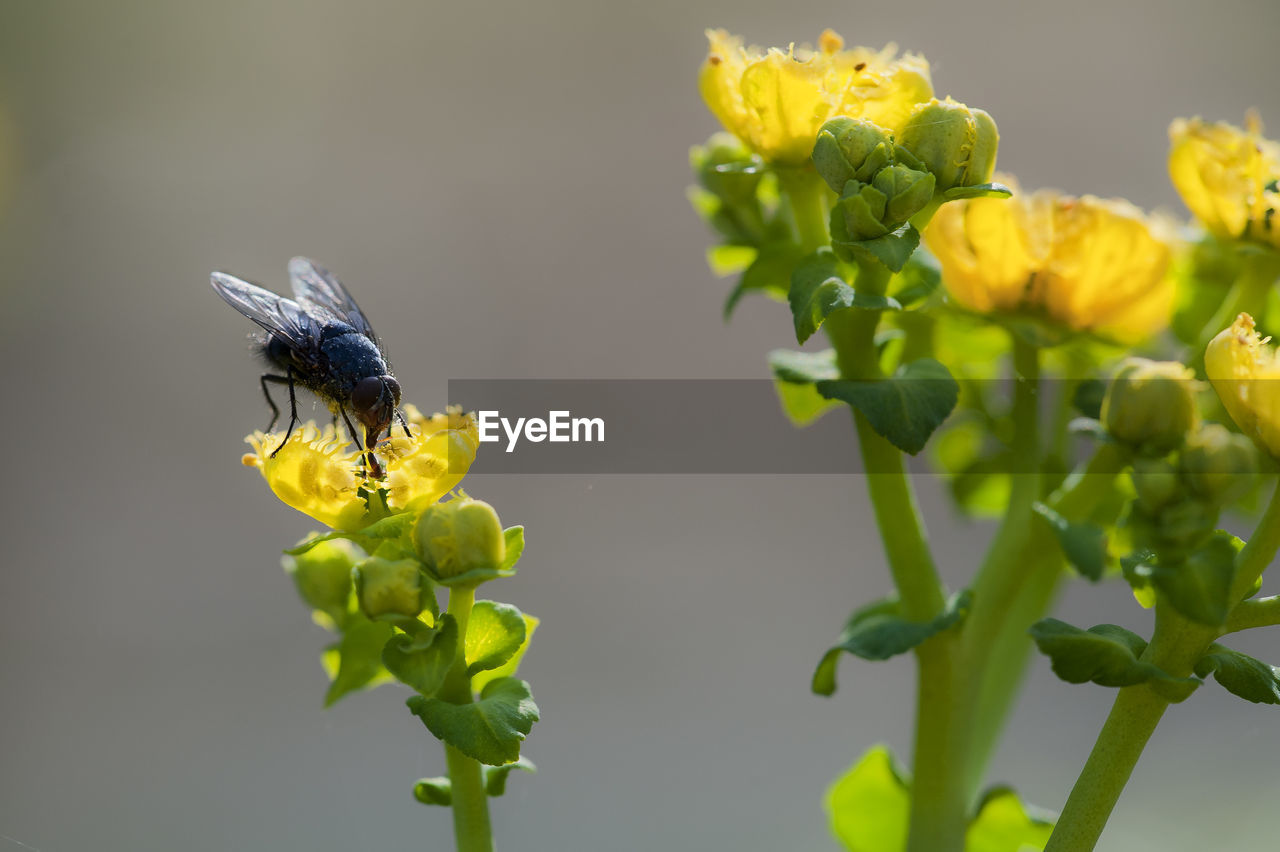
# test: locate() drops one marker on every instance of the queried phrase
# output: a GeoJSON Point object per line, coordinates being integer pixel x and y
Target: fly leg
{"type": "Point", "coordinates": [403, 422]}
{"type": "Point", "coordinates": [360, 445]}
{"type": "Point", "coordinates": [286, 379]}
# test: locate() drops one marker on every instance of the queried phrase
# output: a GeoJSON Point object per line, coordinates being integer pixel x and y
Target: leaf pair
{"type": "Point", "coordinates": [878, 631]}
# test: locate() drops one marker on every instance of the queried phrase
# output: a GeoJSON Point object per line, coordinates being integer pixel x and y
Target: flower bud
{"type": "Point", "coordinates": [460, 536]}
{"type": "Point", "coordinates": [389, 587]}
{"type": "Point", "coordinates": [1156, 482]}
{"type": "Point", "coordinates": [957, 144]}
{"type": "Point", "coordinates": [1150, 405]}
{"type": "Point", "coordinates": [1219, 464]}
{"type": "Point", "coordinates": [323, 576]}
{"type": "Point", "coordinates": [871, 210]}
{"type": "Point", "coordinates": [1185, 525]}
{"type": "Point", "coordinates": [726, 169]}
{"type": "Point", "coordinates": [851, 149]}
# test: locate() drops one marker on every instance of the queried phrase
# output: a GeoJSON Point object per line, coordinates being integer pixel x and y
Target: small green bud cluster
{"type": "Point", "coordinates": [1180, 496]}
{"type": "Point", "coordinates": [881, 186]}
{"type": "Point", "coordinates": [389, 587]}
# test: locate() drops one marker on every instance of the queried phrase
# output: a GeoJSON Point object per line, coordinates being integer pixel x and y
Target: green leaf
{"type": "Point", "coordinates": [1241, 675]}
{"type": "Point", "coordinates": [508, 668]}
{"type": "Point", "coordinates": [906, 408]}
{"type": "Point", "coordinates": [726, 260]}
{"type": "Point", "coordinates": [893, 250]}
{"type": "Point", "coordinates": [869, 804]}
{"type": "Point", "coordinates": [1083, 543]}
{"type": "Point", "coordinates": [802, 403]}
{"type": "Point", "coordinates": [495, 777]}
{"type": "Point", "coordinates": [804, 367]}
{"type": "Point", "coordinates": [422, 661]}
{"type": "Point", "coordinates": [1200, 588]}
{"type": "Point", "coordinates": [494, 633]}
{"type": "Point", "coordinates": [818, 288]}
{"type": "Point", "coordinates": [1004, 825]}
{"type": "Point", "coordinates": [354, 662]}
{"type": "Point", "coordinates": [878, 631]}
{"type": "Point", "coordinates": [1107, 655]}
{"type": "Point", "coordinates": [770, 272]}
{"type": "Point", "coordinates": [393, 530]}
{"type": "Point", "coordinates": [1137, 569]}
{"type": "Point", "coordinates": [434, 791]}
{"type": "Point", "coordinates": [982, 190]}
{"type": "Point", "coordinates": [918, 280]}
{"type": "Point", "coordinates": [489, 730]}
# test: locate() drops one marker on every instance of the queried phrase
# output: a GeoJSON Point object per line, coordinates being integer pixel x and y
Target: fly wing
{"type": "Point", "coordinates": [315, 285]}
{"type": "Point", "coordinates": [284, 318]}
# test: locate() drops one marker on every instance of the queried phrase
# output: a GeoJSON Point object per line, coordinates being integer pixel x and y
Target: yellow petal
{"type": "Point", "coordinates": [1222, 173]}
{"type": "Point", "coordinates": [317, 473]}
{"type": "Point", "coordinates": [1245, 372]}
{"type": "Point", "coordinates": [1086, 263]}
{"type": "Point", "coordinates": [775, 101]}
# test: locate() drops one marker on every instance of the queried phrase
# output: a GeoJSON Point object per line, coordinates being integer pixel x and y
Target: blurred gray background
{"type": "Point", "coordinates": [503, 186]}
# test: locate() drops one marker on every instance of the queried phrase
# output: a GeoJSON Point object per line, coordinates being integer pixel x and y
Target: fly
{"type": "Point", "coordinates": [320, 339]}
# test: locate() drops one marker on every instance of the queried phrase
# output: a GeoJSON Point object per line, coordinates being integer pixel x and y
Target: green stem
{"type": "Point", "coordinates": [1175, 647]}
{"type": "Point", "coordinates": [1010, 649]}
{"type": "Point", "coordinates": [938, 817]}
{"type": "Point", "coordinates": [1001, 574]}
{"type": "Point", "coordinates": [1263, 612]}
{"type": "Point", "coordinates": [471, 829]}
{"type": "Point", "coordinates": [1247, 294]}
{"type": "Point", "coordinates": [807, 196]}
{"type": "Point", "coordinates": [1254, 558]}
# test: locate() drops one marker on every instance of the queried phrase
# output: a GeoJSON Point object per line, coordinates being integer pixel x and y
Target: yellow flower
{"type": "Point", "coordinates": [776, 101]}
{"type": "Point", "coordinates": [1087, 263]}
{"type": "Point", "coordinates": [318, 474]}
{"type": "Point", "coordinates": [1226, 177]}
{"type": "Point", "coordinates": [1246, 374]}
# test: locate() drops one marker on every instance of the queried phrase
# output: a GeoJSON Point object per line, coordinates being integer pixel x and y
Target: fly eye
{"type": "Point", "coordinates": [394, 386]}
{"type": "Point", "coordinates": [366, 393]}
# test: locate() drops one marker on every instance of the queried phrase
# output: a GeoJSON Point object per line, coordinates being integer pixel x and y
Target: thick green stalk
{"type": "Point", "coordinates": [938, 815]}
{"type": "Point", "coordinates": [1263, 612]}
{"type": "Point", "coordinates": [1010, 649]}
{"type": "Point", "coordinates": [471, 829]}
{"type": "Point", "coordinates": [1175, 647]}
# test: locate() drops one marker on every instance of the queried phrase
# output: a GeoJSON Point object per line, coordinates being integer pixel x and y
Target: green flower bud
{"type": "Point", "coordinates": [957, 144]}
{"type": "Point", "coordinates": [389, 587]}
{"type": "Point", "coordinates": [1156, 482]}
{"type": "Point", "coordinates": [460, 536]}
{"type": "Point", "coordinates": [851, 149]}
{"type": "Point", "coordinates": [1185, 525]}
{"type": "Point", "coordinates": [870, 210]}
{"type": "Point", "coordinates": [726, 168]}
{"type": "Point", "coordinates": [1219, 464]}
{"type": "Point", "coordinates": [323, 576]}
{"type": "Point", "coordinates": [1150, 405]}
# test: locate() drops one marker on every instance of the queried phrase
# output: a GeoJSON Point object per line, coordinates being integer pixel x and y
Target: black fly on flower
{"type": "Point", "coordinates": [321, 340]}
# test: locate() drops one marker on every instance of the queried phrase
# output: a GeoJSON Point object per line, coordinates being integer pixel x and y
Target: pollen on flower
{"type": "Point", "coordinates": [831, 42]}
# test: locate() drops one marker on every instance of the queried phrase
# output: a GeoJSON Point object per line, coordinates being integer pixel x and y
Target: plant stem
{"type": "Point", "coordinates": [1175, 647]}
{"type": "Point", "coordinates": [471, 829]}
{"type": "Point", "coordinates": [1263, 612]}
{"type": "Point", "coordinates": [1248, 294]}
{"type": "Point", "coordinates": [806, 194]}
